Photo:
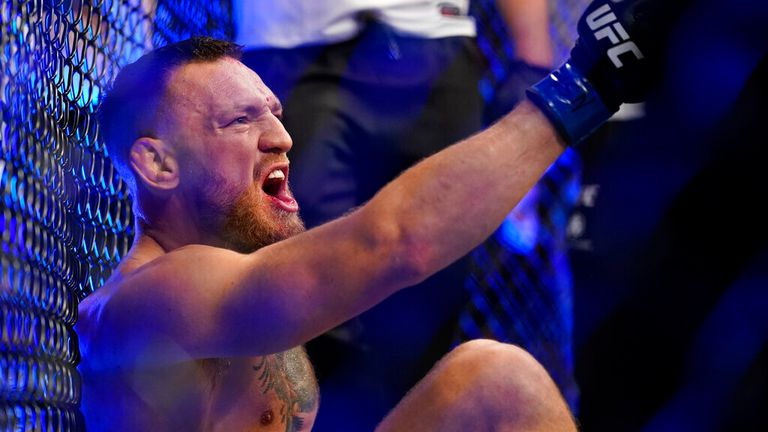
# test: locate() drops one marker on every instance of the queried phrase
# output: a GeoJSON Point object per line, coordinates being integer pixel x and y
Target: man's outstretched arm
{"type": "Point", "coordinates": [199, 302]}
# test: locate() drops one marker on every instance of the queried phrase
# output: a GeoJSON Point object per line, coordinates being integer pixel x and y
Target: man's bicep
{"type": "Point", "coordinates": [315, 281]}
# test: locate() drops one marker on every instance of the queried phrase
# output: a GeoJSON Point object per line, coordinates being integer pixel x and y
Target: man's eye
{"type": "Point", "coordinates": [240, 120]}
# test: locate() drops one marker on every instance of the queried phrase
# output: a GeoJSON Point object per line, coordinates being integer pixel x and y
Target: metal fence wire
{"type": "Point", "coordinates": [65, 216]}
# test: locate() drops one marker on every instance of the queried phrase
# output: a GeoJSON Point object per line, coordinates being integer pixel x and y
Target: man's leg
{"type": "Point", "coordinates": [483, 385]}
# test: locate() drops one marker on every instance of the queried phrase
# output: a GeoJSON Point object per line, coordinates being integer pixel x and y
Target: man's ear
{"type": "Point", "coordinates": [154, 163]}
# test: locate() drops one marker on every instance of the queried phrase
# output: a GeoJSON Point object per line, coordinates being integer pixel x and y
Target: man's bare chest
{"type": "Point", "coordinates": [275, 392]}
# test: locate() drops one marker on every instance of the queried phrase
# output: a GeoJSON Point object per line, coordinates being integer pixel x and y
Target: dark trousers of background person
{"type": "Point", "coordinates": [360, 112]}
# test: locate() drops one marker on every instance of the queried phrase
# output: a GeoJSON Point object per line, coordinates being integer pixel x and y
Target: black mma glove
{"type": "Point", "coordinates": [610, 64]}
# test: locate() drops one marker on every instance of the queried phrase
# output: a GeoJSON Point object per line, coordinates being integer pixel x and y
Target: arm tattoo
{"type": "Point", "coordinates": [290, 375]}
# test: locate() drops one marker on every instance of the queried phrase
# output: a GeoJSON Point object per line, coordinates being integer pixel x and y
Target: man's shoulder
{"type": "Point", "coordinates": [161, 306]}
{"type": "Point", "coordinates": [96, 325]}
{"type": "Point", "coordinates": [146, 275]}
{"type": "Point", "coordinates": [135, 267]}
{"type": "Point", "coordinates": [92, 307]}
{"type": "Point", "coordinates": [127, 267]}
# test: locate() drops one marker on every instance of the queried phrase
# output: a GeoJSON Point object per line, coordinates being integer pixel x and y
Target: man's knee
{"type": "Point", "coordinates": [487, 366]}
{"type": "Point", "coordinates": [485, 357]}
{"type": "Point", "coordinates": [483, 385]}
{"type": "Point", "coordinates": [506, 384]}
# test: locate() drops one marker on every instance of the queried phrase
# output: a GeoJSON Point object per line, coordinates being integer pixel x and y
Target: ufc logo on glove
{"type": "Point", "coordinates": [602, 21]}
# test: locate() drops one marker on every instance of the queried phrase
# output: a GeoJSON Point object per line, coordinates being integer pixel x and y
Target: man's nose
{"type": "Point", "coordinates": [275, 139]}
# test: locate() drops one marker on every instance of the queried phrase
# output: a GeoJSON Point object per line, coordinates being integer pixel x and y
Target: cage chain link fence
{"type": "Point", "coordinates": [65, 216]}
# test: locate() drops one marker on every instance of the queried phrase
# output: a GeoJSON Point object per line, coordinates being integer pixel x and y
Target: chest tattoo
{"type": "Point", "coordinates": [289, 374]}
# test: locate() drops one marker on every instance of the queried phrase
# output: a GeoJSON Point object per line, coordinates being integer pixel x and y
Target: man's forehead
{"type": "Point", "coordinates": [219, 80]}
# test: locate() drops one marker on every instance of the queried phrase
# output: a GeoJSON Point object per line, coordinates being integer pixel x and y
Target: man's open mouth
{"type": "Point", "coordinates": [275, 186]}
{"type": "Point", "coordinates": [275, 182]}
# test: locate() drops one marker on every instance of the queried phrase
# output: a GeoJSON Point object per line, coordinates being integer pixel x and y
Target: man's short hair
{"type": "Point", "coordinates": [134, 101]}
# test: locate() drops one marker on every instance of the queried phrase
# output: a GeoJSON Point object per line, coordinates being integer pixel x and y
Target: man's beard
{"type": "Point", "coordinates": [246, 222]}
{"type": "Point", "coordinates": [249, 226]}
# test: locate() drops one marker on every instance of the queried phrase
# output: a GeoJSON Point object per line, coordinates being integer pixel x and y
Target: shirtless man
{"type": "Point", "coordinates": [201, 325]}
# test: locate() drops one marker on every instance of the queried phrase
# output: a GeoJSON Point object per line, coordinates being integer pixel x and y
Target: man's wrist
{"type": "Point", "coordinates": [570, 102]}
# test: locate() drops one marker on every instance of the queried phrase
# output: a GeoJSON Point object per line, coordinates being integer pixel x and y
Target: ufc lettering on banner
{"type": "Point", "coordinates": [602, 21]}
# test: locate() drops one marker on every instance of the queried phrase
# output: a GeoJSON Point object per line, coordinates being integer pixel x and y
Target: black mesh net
{"type": "Point", "coordinates": [65, 217]}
